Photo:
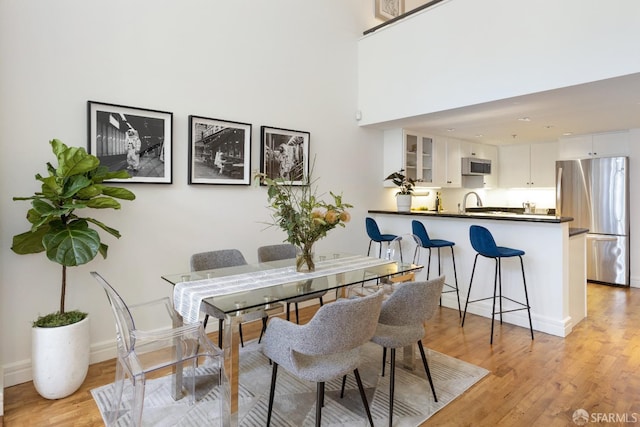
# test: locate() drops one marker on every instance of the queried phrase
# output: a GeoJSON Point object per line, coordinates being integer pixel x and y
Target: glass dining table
{"type": "Point", "coordinates": [237, 293]}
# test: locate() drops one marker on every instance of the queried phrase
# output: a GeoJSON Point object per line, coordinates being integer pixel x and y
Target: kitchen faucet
{"type": "Point", "coordinates": [464, 200]}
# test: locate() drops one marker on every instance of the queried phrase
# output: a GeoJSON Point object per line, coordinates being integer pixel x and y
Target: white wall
{"type": "Point", "coordinates": [466, 52]}
{"type": "Point", "coordinates": [280, 63]}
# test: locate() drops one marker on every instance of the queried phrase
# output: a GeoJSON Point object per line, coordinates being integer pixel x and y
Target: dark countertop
{"type": "Point", "coordinates": [501, 216]}
{"type": "Point", "coordinates": [577, 231]}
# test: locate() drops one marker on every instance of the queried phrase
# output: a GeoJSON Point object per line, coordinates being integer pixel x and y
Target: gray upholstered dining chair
{"type": "Point", "coordinates": [287, 251]}
{"type": "Point", "coordinates": [276, 252]}
{"type": "Point", "coordinates": [401, 324]}
{"type": "Point", "coordinates": [220, 259]}
{"type": "Point", "coordinates": [326, 348]}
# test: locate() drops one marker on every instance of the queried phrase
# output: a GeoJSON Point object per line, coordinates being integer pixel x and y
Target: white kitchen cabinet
{"type": "Point", "coordinates": [513, 159]}
{"type": "Point", "coordinates": [594, 145]}
{"type": "Point", "coordinates": [447, 165]}
{"type": "Point", "coordinates": [409, 151]}
{"type": "Point", "coordinates": [471, 149]}
{"type": "Point", "coordinates": [527, 165]}
{"type": "Point", "coordinates": [490, 152]}
{"type": "Point", "coordinates": [542, 166]}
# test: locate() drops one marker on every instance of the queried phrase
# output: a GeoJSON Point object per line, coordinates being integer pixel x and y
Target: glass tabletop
{"type": "Point", "coordinates": [242, 302]}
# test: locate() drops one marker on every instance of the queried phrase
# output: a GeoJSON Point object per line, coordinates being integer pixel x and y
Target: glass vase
{"type": "Point", "coordinates": [304, 260]}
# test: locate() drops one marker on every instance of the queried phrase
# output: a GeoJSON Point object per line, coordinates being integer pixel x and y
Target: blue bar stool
{"type": "Point", "coordinates": [484, 244]}
{"type": "Point", "coordinates": [373, 231]}
{"type": "Point", "coordinates": [419, 230]}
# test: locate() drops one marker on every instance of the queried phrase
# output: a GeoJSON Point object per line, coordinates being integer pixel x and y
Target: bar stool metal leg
{"type": "Point", "coordinates": [455, 277]}
{"type": "Point", "coordinates": [526, 297]}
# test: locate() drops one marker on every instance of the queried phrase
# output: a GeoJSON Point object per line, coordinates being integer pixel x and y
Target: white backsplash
{"type": "Point", "coordinates": [544, 198]}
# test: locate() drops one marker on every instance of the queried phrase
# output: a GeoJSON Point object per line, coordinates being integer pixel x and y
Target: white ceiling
{"type": "Point", "coordinates": [600, 106]}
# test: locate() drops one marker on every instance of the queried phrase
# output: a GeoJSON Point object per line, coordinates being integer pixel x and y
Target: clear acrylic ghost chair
{"type": "Point", "coordinates": [404, 249]}
{"type": "Point", "coordinates": [286, 251]}
{"type": "Point", "coordinates": [326, 348]}
{"type": "Point", "coordinates": [141, 352]}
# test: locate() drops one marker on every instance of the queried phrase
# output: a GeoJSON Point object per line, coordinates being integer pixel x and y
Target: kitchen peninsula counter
{"type": "Point", "coordinates": [554, 263]}
{"type": "Point", "coordinates": [498, 216]}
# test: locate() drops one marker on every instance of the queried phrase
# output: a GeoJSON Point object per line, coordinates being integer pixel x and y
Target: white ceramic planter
{"type": "Point", "coordinates": [404, 202]}
{"type": "Point", "coordinates": [60, 358]}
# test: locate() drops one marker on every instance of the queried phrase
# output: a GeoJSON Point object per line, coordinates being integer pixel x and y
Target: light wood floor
{"type": "Point", "coordinates": [532, 383]}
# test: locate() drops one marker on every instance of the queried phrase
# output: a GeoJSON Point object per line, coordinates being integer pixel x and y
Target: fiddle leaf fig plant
{"type": "Point", "coordinates": [68, 239]}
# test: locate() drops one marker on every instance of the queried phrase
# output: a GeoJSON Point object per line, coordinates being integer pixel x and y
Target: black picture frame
{"type": "Point", "coordinates": [138, 140]}
{"type": "Point", "coordinates": [219, 151]}
{"type": "Point", "coordinates": [284, 154]}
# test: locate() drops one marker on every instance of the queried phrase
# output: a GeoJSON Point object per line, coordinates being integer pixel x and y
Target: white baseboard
{"type": "Point", "coordinates": [559, 328]}
{"type": "Point", "coordinates": [20, 372]}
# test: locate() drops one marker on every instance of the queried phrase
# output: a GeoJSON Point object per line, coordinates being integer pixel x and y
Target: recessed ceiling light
{"type": "Point", "coordinates": [567, 133]}
{"type": "Point", "coordinates": [450, 129]}
{"type": "Point", "coordinates": [524, 119]}
{"type": "Point", "coordinates": [479, 135]}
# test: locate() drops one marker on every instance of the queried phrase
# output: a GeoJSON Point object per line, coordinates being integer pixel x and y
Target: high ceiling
{"type": "Point", "coordinates": [601, 106]}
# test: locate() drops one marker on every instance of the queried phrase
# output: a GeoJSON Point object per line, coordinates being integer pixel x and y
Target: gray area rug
{"type": "Point", "coordinates": [294, 403]}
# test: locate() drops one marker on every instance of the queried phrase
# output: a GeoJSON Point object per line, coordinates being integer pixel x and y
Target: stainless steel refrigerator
{"type": "Point", "coordinates": [595, 192]}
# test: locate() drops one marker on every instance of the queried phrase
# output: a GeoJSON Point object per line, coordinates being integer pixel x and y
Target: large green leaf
{"type": "Point", "coordinates": [105, 227]}
{"type": "Point", "coordinates": [57, 146]}
{"type": "Point", "coordinates": [34, 217]}
{"type": "Point", "coordinates": [76, 161]}
{"type": "Point", "coordinates": [89, 192]}
{"type": "Point", "coordinates": [43, 212]}
{"type": "Point", "coordinates": [103, 203]}
{"type": "Point", "coordinates": [73, 244]}
{"type": "Point", "coordinates": [42, 207]}
{"type": "Point", "coordinates": [74, 184]}
{"type": "Point", "coordinates": [118, 192]}
{"type": "Point", "coordinates": [50, 186]}
{"type": "Point", "coordinates": [103, 173]}
{"type": "Point", "coordinates": [29, 242]}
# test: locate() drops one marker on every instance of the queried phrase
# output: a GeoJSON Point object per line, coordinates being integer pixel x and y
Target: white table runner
{"type": "Point", "coordinates": [188, 296]}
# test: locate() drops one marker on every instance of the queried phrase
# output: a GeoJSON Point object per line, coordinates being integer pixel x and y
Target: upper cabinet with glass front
{"type": "Point", "coordinates": [418, 157]}
{"type": "Point", "coordinates": [409, 151]}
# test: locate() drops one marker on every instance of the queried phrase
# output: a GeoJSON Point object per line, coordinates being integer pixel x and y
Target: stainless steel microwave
{"type": "Point", "coordinates": [475, 166]}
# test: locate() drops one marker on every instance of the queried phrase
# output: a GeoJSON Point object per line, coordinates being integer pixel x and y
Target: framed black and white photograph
{"type": "Point", "coordinates": [389, 9]}
{"type": "Point", "coordinates": [284, 154]}
{"type": "Point", "coordinates": [219, 151]}
{"type": "Point", "coordinates": [134, 139]}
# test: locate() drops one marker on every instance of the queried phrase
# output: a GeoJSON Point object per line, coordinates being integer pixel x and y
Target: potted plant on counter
{"type": "Point", "coordinates": [404, 195]}
{"type": "Point", "coordinates": [59, 360]}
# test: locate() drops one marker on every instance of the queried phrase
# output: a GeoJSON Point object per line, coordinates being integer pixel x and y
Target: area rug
{"type": "Point", "coordinates": [294, 403]}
